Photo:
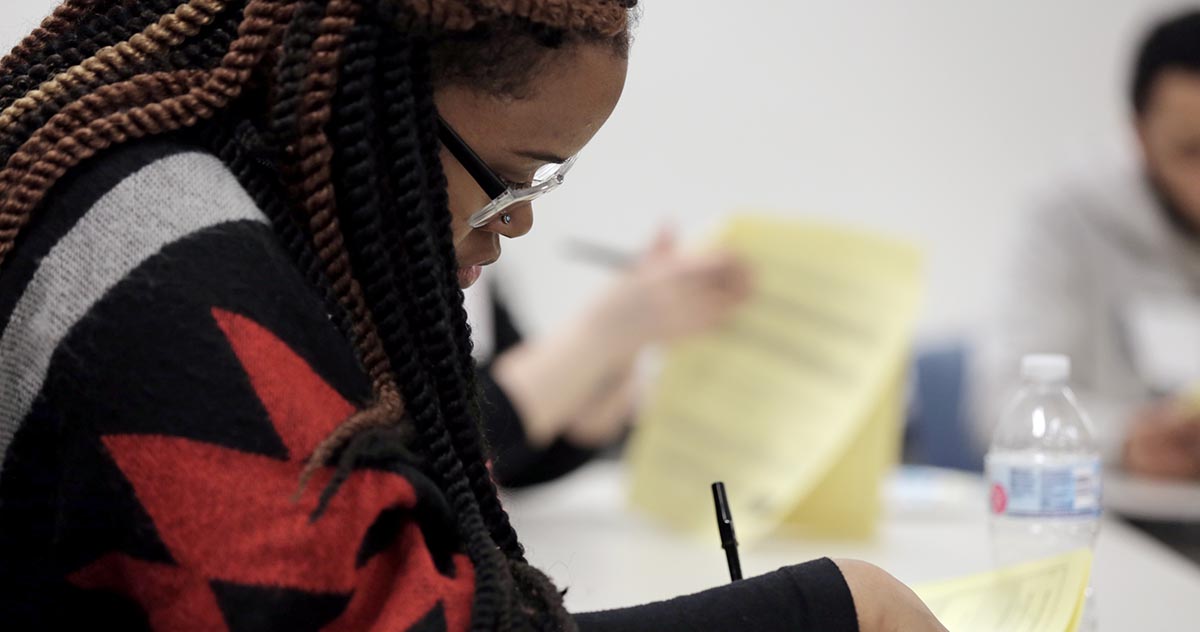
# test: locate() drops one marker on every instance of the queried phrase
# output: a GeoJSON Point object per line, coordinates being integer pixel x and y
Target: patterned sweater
{"type": "Point", "coordinates": [164, 372]}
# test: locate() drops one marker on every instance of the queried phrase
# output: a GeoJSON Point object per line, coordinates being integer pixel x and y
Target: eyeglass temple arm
{"type": "Point", "coordinates": [487, 179]}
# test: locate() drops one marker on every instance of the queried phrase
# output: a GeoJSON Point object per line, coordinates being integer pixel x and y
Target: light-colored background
{"type": "Point", "coordinates": [935, 120]}
{"type": "Point", "coordinates": [930, 119]}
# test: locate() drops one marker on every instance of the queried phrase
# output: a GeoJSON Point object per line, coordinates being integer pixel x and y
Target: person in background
{"type": "Point", "coordinates": [1108, 272]}
{"type": "Point", "coordinates": [552, 402]}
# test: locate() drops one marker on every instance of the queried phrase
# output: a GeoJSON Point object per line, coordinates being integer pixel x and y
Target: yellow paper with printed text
{"type": "Point", "coordinates": [1042, 596]}
{"type": "Point", "coordinates": [796, 403]}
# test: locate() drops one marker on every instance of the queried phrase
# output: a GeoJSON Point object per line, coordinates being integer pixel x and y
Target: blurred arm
{"type": "Point", "coordinates": [578, 377]}
{"type": "Point", "coordinates": [553, 379]}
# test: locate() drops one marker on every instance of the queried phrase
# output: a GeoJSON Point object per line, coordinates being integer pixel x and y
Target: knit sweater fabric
{"type": "Point", "coordinates": [165, 371]}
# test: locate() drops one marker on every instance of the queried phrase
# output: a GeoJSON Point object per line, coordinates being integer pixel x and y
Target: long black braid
{"type": "Point", "coordinates": [418, 270]}
{"type": "Point", "coordinates": [467, 436]}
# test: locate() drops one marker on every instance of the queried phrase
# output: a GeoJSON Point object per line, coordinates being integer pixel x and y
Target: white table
{"type": "Point", "coordinates": [1150, 499]}
{"type": "Point", "coordinates": [582, 533]}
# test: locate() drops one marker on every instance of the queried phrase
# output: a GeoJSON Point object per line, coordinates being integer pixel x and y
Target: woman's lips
{"type": "Point", "coordinates": [469, 275]}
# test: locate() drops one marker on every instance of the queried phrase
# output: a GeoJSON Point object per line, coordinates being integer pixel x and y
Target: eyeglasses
{"type": "Point", "coordinates": [504, 194]}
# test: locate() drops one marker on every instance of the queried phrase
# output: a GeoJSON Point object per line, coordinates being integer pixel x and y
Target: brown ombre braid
{"type": "Point", "coordinates": [108, 63]}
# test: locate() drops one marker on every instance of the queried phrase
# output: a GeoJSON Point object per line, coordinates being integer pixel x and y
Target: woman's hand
{"type": "Point", "coordinates": [577, 380]}
{"type": "Point", "coordinates": [1164, 442]}
{"type": "Point", "coordinates": [883, 603]}
{"type": "Point", "coordinates": [671, 294]}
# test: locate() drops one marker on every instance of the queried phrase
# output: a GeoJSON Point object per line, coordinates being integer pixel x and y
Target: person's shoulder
{"type": "Point", "coordinates": [112, 214]}
{"type": "Point", "coordinates": [155, 190]}
{"type": "Point", "coordinates": [138, 269]}
{"type": "Point", "coordinates": [1094, 197]}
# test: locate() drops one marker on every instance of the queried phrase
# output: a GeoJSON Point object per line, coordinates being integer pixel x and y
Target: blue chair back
{"type": "Point", "coordinates": [938, 431]}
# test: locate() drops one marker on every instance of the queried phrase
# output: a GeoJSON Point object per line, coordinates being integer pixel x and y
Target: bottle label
{"type": "Point", "coordinates": [1023, 490]}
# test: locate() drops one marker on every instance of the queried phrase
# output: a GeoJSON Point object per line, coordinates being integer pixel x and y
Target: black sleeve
{"type": "Point", "coordinates": [811, 596]}
{"type": "Point", "coordinates": [506, 332]}
{"type": "Point", "coordinates": [516, 463]}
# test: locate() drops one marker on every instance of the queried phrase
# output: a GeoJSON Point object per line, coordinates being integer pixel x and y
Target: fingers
{"type": "Point", "coordinates": [1163, 447]}
{"type": "Point", "coordinates": [704, 305]}
{"type": "Point", "coordinates": [1184, 429]}
{"type": "Point", "coordinates": [692, 293]}
{"type": "Point", "coordinates": [736, 277]}
{"type": "Point", "coordinates": [663, 244]}
{"type": "Point", "coordinates": [676, 294]}
{"type": "Point", "coordinates": [719, 270]}
{"type": "Point", "coordinates": [727, 280]}
{"type": "Point", "coordinates": [1157, 463]}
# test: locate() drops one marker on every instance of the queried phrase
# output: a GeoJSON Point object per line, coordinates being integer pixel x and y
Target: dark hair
{"type": "Point", "coordinates": [501, 56]}
{"type": "Point", "coordinates": [1174, 44]}
{"type": "Point", "coordinates": [324, 111]}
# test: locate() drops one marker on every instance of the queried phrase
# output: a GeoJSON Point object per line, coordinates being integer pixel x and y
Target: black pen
{"type": "Point", "coordinates": [725, 526]}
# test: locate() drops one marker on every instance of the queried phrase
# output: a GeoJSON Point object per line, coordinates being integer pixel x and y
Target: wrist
{"type": "Point", "coordinates": [519, 374]}
{"type": "Point", "coordinates": [864, 581]}
{"type": "Point", "coordinates": [617, 326]}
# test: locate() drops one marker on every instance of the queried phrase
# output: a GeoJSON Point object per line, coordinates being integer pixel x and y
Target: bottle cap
{"type": "Point", "coordinates": [1046, 367]}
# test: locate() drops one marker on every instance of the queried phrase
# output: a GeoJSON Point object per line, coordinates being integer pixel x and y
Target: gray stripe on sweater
{"type": "Point", "coordinates": [160, 203]}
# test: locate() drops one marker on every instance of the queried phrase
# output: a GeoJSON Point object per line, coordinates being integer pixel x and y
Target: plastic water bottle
{"type": "Point", "coordinates": [1044, 472]}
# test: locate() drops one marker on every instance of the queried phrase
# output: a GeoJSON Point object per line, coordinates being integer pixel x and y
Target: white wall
{"type": "Point", "coordinates": [929, 119]}
{"type": "Point", "coordinates": [18, 17]}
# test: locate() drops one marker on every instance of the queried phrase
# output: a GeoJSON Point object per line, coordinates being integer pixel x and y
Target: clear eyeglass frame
{"type": "Point", "coordinates": [503, 194]}
{"type": "Point", "coordinates": [546, 179]}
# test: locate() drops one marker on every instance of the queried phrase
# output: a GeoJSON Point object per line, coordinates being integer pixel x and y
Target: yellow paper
{"type": "Point", "coordinates": [845, 503]}
{"type": "Point", "coordinates": [1191, 401]}
{"type": "Point", "coordinates": [1042, 596]}
{"type": "Point", "coordinates": [794, 404]}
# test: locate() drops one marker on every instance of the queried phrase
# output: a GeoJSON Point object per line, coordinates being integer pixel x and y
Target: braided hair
{"type": "Point", "coordinates": [324, 111]}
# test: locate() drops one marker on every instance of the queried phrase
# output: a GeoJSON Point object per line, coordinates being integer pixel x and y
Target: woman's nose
{"type": "Point", "coordinates": [521, 221]}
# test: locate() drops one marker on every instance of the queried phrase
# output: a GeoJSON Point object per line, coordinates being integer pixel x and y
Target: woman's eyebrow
{"type": "Point", "coordinates": [540, 156]}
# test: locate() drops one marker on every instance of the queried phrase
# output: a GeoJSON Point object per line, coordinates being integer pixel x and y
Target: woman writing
{"type": "Point", "coordinates": [235, 376]}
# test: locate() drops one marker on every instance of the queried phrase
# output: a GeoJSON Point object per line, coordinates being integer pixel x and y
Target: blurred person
{"type": "Point", "coordinates": [551, 402]}
{"type": "Point", "coordinates": [234, 363]}
{"type": "Point", "coordinates": [1107, 271]}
